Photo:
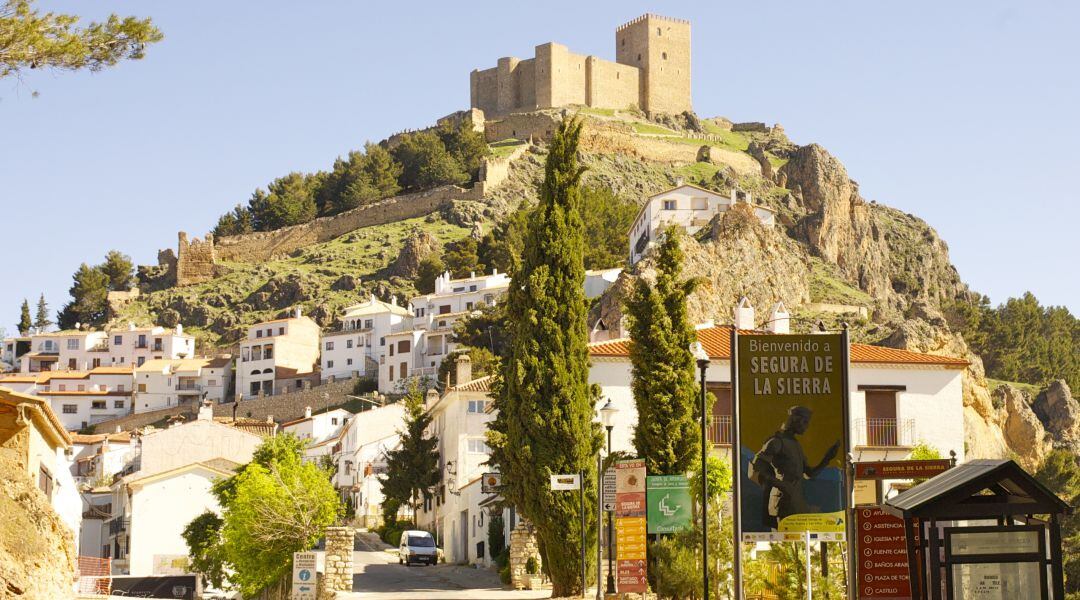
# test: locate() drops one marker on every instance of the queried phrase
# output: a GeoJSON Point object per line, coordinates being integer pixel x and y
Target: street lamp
{"type": "Point", "coordinates": [607, 418]}
{"type": "Point", "coordinates": [702, 358]}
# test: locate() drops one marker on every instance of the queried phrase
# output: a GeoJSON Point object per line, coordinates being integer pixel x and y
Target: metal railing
{"type": "Point", "coordinates": [189, 387]}
{"type": "Point", "coordinates": [719, 431]}
{"type": "Point", "coordinates": [885, 432]}
{"type": "Point", "coordinates": [118, 526]}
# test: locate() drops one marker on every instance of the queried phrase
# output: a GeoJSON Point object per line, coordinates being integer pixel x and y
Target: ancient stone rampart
{"type": "Point", "coordinates": [195, 259]}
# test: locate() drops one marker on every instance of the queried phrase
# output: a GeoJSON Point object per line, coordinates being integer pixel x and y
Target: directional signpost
{"type": "Point", "coordinates": [630, 526]}
{"type": "Point", "coordinates": [609, 490]}
{"type": "Point", "coordinates": [668, 499]}
{"type": "Point", "coordinates": [303, 577]}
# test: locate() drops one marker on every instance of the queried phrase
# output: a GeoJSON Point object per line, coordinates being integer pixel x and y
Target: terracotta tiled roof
{"type": "Point", "coordinates": [717, 342]}
{"type": "Point", "coordinates": [261, 428]}
{"type": "Point", "coordinates": [112, 370]}
{"type": "Point", "coordinates": [482, 384]}
{"type": "Point", "coordinates": [123, 437]}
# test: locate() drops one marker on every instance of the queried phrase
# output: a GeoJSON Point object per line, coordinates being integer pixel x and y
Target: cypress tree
{"type": "Point", "coordinates": [666, 436]}
{"type": "Point", "coordinates": [412, 470]}
{"type": "Point", "coordinates": [24, 318]}
{"type": "Point", "coordinates": [545, 405]}
{"type": "Point", "coordinates": [41, 318]}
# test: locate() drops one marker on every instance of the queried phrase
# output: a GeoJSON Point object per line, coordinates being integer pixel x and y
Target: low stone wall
{"type": "Point", "coordinates": [289, 406]}
{"type": "Point", "coordinates": [837, 309]}
{"type": "Point", "coordinates": [134, 421]}
{"type": "Point", "coordinates": [522, 546]}
{"type": "Point", "coordinates": [536, 126]}
{"type": "Point", "coordinates": [339, 559]}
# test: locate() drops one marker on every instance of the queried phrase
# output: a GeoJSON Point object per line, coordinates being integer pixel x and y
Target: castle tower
{"type": "Point", "coordinates": [660, 47]}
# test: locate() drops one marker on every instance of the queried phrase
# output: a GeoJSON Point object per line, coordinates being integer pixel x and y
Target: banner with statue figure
{"type": "Point", "coordinates": [791, 434]}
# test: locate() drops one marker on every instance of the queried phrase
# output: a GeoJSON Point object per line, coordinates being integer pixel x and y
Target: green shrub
{"type": "Point", "coordinates": [393, 537]}
{"type": "Point", "coordinates": [531, 566]}
{"type": "Point", "coordinates": [676, 568]}
{"type": "Point", "coordinates": [365, 385]}
{"type": "Point", "coordinates": [504, 574]}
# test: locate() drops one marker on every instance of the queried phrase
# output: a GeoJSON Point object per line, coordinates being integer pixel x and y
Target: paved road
{"type": "Point", "coordinates": [378, 576]}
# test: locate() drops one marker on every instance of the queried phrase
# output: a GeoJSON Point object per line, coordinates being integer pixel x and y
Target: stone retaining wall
{"type": "Point", "coordinates": [339, 559]}
{"type": "Point", "coordinates": [289, 406]}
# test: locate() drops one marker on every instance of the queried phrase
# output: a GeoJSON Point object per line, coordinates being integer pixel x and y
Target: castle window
{"type": "Point", "coordinates": [639, 58]}
{"type": "Point", "coordinates": [659, 32]}
{"type": "Point", "coordinates": [663, 55]}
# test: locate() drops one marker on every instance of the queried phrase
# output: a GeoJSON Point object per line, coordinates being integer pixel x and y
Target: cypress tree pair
{"type": "Point", "coordinates": [666, 435]}
{"type": "Point", "coordinates": [545, 405]}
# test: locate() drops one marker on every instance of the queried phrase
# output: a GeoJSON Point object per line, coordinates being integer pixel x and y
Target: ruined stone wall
{"type": "Point", "coordinates": [264, 245]}
{"type": "Point", "coordinates": [195, 259]}
{"type": "Point", "coordinates": [537, 126]}
{"type": "Point", "coordinates": [494, 171]}
{"type": "Point", "coordinates": [289, 406]}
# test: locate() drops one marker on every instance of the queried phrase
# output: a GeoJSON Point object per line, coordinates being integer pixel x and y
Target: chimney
{"type": "Point", "coordinates": [269, 418]}
{"type": "Point", "coordinates": [206, 411]}
{"type": "Point", "coordinates": [131, 325]}
{"type": "Point", "coordinates": [744, 314]}
{"type": "Point", "coordinates": [463, 369]}
{"type": "Point", "coordinates": [179, 329]}
{"type": "Point", "coordinates": [118, 429]}
{"type": "Point", "coordinates": [307, 412]}
{"type": "Point", "coordinates": [780, 319]}
{"type": "Point", "coordinates": [679, 181]}
{"type": "Point", "coordinates": [432, 397]}
{"type": "Point", "coordinates": [298, 313]}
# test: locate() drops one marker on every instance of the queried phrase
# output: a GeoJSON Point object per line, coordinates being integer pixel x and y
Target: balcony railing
{"type": "Point", "coordinates": [189, 387]}
{"type": "Point", "coordinates": [118, 526]}
{"type": "Point", "coordinates": [141, 345]}
{"type": "Point", "coordinates": [158, 348]}
{"type": "Point", "coordinates": [885, 432]}
{"type": "Point", "coordinates": [719, 431]}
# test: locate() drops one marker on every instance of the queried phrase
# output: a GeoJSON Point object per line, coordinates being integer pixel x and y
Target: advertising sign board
{"type": "Point", "coordinates": [630, 526]}
{"type": "Point", "coordinates": [609, 490]}
{"type": "Point", "coordinates": [668, 499]}
{"type": "Point", "coordinates": [882, 572]}
{"type": "Point", "coordinates": [791, 432]}
{"type": "Point", "coordinates": [562, 483]}
{"type": "Point", "coordinates": [902, 469]}
{"type": "Point", "coordinates": [490, 483]}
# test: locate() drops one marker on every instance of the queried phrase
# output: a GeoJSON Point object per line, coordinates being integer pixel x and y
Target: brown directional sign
{"type": "Point", "coordinates": [901, 469]}
{"type": "Point", "coordinates": [882, 572]}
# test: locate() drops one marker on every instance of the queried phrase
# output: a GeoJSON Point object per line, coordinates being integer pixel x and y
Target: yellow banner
{"type": "Point", "coordinates": [817, 522]}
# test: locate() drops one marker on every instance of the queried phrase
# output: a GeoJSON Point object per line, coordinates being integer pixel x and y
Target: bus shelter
{"type": "Point", "coordinates": [984, 530]}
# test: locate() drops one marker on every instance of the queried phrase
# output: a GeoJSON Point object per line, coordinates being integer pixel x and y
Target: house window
{"type": "Point", "coordinates": [348, 343]}
{"type": "Point", "coordinates": [268, 352]}
{"type": "Point", "coordinates": [477, 406]}
{"type": "Point", "coordinates": [98, 405]}
{"type": "Point", "coordinates": [472, 288]}
{"type": "Point", "coordinates": [404, 370]}
{"type": "Point", "coordinates": [120, 387]}
{"type": "Point", "coordinates": [212, 383]}
{"type": "Point", "coordinates": [391, 349]}
{"type": "Point", "coordinates": [140, 361]}
{"type": "Point", "coordinates": [382, 341]}
{"type": "Point", "coordinates": [881, 422]}
{"type": "Point", "coordinates": [329, 364]}
{"type": "Point", "coordinates": [72, 364]}
{"type": "Point", "coordinates": [70, 409]}
{"type": "Point", "coordinates": [258, 333]}
{"type": "Point", "coordinates": [444, 309]}
{"type": "Point", "coordinates": [404, 346]}
{"type": "Point", "coordinates": [118, 404]}
{"type": "Point", "coordinates": [333, 420]}
{"type": "Point", "coordinates": [329, 345]}
{"type": "Point", "coordinates": [669, 205]}
{"type": "Point", "coordinates": [96, 363]}
{"type": "Point", "coordinates": [63, 387]}
{"type": "Point", "coordinates": [45, 482]}
{"type": "Point", "coordinates": [82, 388]}
{"type": "Point", "coordinates": [367, 324]}
{"type": "Point", "coordinates": [348, 362]}
{"type": "Point", "coordinates": [118, 340]}
{"type": "Point", "coordinates": [468, 306]}
{"type": "Point", "coordinates": [281, 331]}
{"type": "Point", "coordinates": [478, 446]}
{"type": "Point", "coordinates": [142, 388]}
{"type": "Point", "coordinates": [391, 372]}
{"type": "Point", "coordinates": [73, 344]}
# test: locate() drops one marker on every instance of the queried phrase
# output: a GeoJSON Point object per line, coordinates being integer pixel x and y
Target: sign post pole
{"type": "Point", "coordinates": [736, 516]}
{"type": "Point", "coordinates": [809, 573]}
{"type": "Point", "coordinates": [849, 484]}
{"type": "Point", "coordinates": [599, 516]}
{"type": "Point", "coordinates": [581, 495]}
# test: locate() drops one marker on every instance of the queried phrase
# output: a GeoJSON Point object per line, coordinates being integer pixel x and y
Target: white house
{"type": "Point", "coordinates": [359, 454]}
{"type": "Point", "coordinates": [597, 281]}
{"type": "Point", "coordinates": [355, 349]}
{"type": "Point", "coordinates": [94, 460]}
{"type": "Point", "coordinates": [460, 418]}
{"type": "Point", "coordinates": [83, 349]}
{"type": "Point", "coordinates": [11, 351]}
{"type": "Point", "coordinates": [166, 485]}
{"type": "Point", "coordinates": [79, 398]}
{"type": "Point", "coordinates": [278, 356]}
{"type": "Point", "coordinates": [318, 430]}
{"type": "Point", "coordinates": [687, 206]}
{"type": "Point", "coordinates": [165, 382]}
{"type": "Point", "coordinates": [136, 345]}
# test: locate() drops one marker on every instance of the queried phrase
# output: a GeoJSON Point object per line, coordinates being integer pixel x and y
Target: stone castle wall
{"type": "Point", "coordinates": [195, 259]}
{"type": "Point", "coordinates": [651, 71]}
{"type": "Point", "coordinates": [534, 126]}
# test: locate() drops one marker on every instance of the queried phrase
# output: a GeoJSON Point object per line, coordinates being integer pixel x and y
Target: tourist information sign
{"type": "Point", "coordinates": [668, 499]}
{"type": "Point", "coordinates": [609, 490]}
{"type": "Point", "coordinates": [883, 558]}
{"type": "Point", "coordinates": [630, 527]}
{"type": "Point", "coordinates": [303, 579]}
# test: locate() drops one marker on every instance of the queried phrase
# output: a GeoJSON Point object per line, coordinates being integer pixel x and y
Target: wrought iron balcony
{"type": "Point", "coordinates": [885, 432]}
{"type": "Point", "coordinates": [118, 526]}
{"type": "Point", "coordinates": [719, 431]}
{"type": "Point", "coordinates": [187, 386]}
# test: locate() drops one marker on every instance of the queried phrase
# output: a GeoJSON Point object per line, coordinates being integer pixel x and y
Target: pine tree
{"type": "Point", "coordinates": [118, 268]}
{"type": "Point", "coordinates": [666, 435]}
{"type": "Point", "coordinates": [24, 318]}
{"type": "Point", "coordinates": [545, 406]}
{"type": "Point", "coordinates": [89, 298]}
{"type": "Point", "coordinates": [412, 470]}
{"type": "Point", "coordinates": [41, 319]}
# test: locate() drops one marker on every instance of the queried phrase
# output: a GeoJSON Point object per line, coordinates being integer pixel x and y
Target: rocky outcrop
{"type": "Point", "coordinates": [738, 257]}
{"type": "Point", "coordinates": [895, 257]}
{"type": "Point", "coordinates": [280, 293]}
{"type": "Point", "coordinates": [1060, 414]}
{"type": "Point", "coordinates": [418, 245]}
{"type": "Point", "coordinates": [758, 152]}
{"type": "Point", "coordinates": [1024, 432]}
{"type": "Point", "coordinates": [37, 551]}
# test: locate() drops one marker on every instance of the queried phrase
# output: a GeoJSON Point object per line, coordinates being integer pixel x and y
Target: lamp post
{"type": "Point", "coordinates": [607, 417]}
{"type": "Point", "coordinates": [702, 358]}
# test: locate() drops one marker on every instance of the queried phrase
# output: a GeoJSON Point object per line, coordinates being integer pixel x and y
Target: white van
{"type": "Point", "coordinates": [417, 547]}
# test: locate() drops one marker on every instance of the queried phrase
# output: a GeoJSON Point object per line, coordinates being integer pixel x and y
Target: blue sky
{"type": "Point", "coordinates": [963, 113]}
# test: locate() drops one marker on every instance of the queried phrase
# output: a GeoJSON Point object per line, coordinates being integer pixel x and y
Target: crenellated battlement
{"type": "Point", "coordinates": [652, 16]}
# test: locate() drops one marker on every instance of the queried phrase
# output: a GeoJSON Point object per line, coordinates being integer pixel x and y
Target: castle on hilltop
{"type": "Point", "coordinates": [651, 71]}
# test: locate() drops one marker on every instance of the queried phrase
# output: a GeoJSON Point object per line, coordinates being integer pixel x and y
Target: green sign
{"type": "Point", "coordinates": [668, 500]}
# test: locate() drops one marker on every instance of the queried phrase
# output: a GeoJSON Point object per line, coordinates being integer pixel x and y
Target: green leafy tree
{"type": "Point", "coordinates": [24, 318]}
{"type": "Point", "coordinates": [288, 200]}
{"type": "Point", "coordinates": [484, 363]}
{"type": "Point", "coordinates": [1060, 473]}
{"type": "Point", "coordinates": [41, 318]}
{"type": "Point", "coordinates": [665, 393]}
{"type": "Point", "coordinates": [274, 506]}
{"type": "Point", "coordinates": [426, 163]}
{"type": "Point", "coordinates": [545, 405]}
{"type": "Point", "coordinates": [236, 222]}
{"type": "Point", "coordinates": [412, 470]}
{"type": "Point", "coordinates": [33, 40]}
{"type": "Point", "coordinates": [501, 247]}
{"type": "Point", "coordinates": [360, 178]}
{"type": "Point", "coordinates": [89, 298]}
{"type": "Point", "coordinates": [466, 145]}
{"type": "Point", "coordinates": [461, 258]}
{"type": "Point", "coordinates": [429, 269]}
{"type": "Point", "coordinates": [607, 218]}
{"type": "Point", "coordinates": [119, 269]}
